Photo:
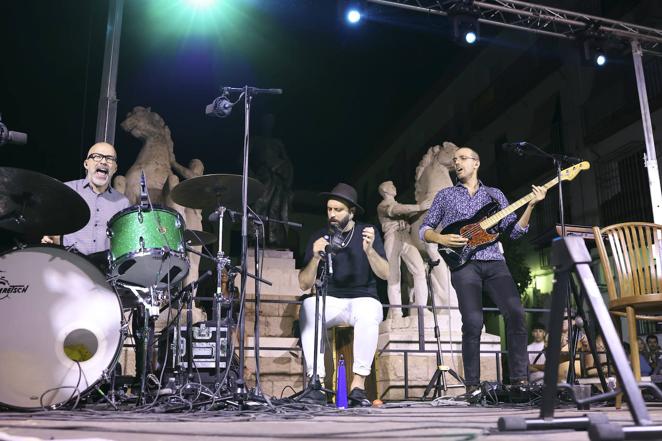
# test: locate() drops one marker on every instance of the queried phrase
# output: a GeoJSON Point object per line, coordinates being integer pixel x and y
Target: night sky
{"type": "Point", "coordinates": [345, 89]}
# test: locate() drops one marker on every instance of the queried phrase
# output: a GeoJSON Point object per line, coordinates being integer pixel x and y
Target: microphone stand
{"type": "Point", "coordinates": [321, 284]}
{"type": "Point", "coordinates": [438, 380]}
{"type": "Point", "coordinates": [247, 93]}
{"type": "Point", "coordinates": [559, 160]}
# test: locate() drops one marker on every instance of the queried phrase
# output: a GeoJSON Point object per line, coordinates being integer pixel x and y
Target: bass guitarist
{"type": "Point", "coordinates": [485, 269]}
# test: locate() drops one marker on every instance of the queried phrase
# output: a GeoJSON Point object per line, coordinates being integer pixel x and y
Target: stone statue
{"type": "Point", "coordinates": [432, 174]}
{"type": "Point", "coordinates": [155, 156]}
{"type": "Point", "coordinates": [393, 217]}
{"type": "Point", "coordinates": [157, 160]}
{"type": "Point", "coordinates": [273, 168]}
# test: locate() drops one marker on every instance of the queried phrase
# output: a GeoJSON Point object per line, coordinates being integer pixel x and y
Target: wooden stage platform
{"type": "Point", "coordinates": [405, 420]}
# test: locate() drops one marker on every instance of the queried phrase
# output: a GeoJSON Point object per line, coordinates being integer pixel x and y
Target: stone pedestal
{"type": "Point", "coordinates": [390, 366]}
{"type": "Point", "coordinates": [279, 368]}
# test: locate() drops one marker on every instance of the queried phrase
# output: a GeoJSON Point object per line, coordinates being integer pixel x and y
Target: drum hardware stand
{"type": "Point", "coordinates": [218, 303]}
{"type": "Point", "coordinates": [149, 312]}
{"type": "Point", "coordinates": [438, 381]}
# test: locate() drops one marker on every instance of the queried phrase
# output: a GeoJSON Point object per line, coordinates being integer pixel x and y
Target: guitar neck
{"type": "Point", "coordinates": [491, 221]}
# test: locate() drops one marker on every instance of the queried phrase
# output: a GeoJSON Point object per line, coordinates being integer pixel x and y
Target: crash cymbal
{"type": "Point", "coordinates": [34, 203]}
{"type": "Point", "coordinates": [196, 237]}
{"type": "Point", "coordinates": [212, 191]}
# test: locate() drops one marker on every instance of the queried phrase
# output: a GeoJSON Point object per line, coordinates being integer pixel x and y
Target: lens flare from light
{"type": "Point", "coordinates": [353, 16]}
{"type": "Point", "coordinates": [600, 60]}
{"type": "Point", "coordinates": [470, 37]}
{"type": "Point", "coordinates": [200, 4]}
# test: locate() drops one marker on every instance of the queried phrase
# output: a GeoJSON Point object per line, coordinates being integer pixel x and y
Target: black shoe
{"type": "Point", "coordinates": [472, 394]}
{"type": "Point", "coordinates": [358, 398]}
{"type": "Point", "coordinates": [519, 386]}
{"type": "Point", "coordinates": [314, 396]}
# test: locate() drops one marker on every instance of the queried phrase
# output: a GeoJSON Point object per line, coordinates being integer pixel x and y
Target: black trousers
{"type": "Point", "coordinates": [469, 282]}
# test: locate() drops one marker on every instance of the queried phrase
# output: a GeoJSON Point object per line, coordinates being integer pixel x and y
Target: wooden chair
{"type": "Point", "coordinates": [634, 275]}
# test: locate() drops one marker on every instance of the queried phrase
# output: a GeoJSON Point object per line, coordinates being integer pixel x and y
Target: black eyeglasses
{"type": "Point", "coordinates": [97, 157]}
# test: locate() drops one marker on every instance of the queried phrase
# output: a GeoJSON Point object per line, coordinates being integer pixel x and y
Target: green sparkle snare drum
{"type": "Point", "coordinates": [147, 246]}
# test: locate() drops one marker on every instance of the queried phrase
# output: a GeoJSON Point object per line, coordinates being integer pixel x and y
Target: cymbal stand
{"type": "Point", "coordinates": [219, 301]}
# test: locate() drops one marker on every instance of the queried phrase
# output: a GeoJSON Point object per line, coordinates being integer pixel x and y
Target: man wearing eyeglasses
{"type": "Point", "coordinates": [486, 269]}
{"type": "Point", "coordinates": [101, 198]}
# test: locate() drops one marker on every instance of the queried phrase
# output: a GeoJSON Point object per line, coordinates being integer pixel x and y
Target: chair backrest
{"type": "Point", "coordinates": [635, 258]}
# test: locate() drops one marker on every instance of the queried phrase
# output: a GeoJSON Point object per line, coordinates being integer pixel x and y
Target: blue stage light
{"type": "Point", "coordinates": [600, 60]}
{"type": "Point", "coordinates": [470, 37]}
{"type": "Point", "coordinates": [353, 16]}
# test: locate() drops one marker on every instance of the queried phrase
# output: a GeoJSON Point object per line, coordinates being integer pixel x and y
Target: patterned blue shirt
{"type": "Point", "coordinates": [454, 204]}
{"type": "Point", "coordinates": [92, 237]}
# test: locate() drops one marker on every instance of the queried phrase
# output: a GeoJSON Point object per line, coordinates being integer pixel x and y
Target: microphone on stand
{"type": "Point", "coordinates": [220, 107]}
{"type": "Point", "coordinates": [516, 147]}
{"type": "Point", "coordinates": [11, 137]}
{"type": "Point", "coordinates": [144, 196]}
{"type": "Point", "coordinates": [328, 255]}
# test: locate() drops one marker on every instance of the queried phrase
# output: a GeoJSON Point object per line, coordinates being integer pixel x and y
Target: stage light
{"type": "Point", "coordinates": [470, 37]}
{"type": "Point", "coordinates": [600, 60]}
{"type": "Point", "coordinates": [353, 16]}
{"type": "Point", "coordinates": [464, 20]}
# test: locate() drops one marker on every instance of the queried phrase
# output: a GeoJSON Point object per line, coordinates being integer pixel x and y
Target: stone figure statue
{"type": "Point", "coordinates": [271, 165]}
{"type": "Point", "coordinates": [155, 156]}
{"type": "Point", "coordinates": [394, 218]}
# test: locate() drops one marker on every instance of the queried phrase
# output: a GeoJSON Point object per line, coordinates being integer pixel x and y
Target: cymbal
{"type": "Point", "coordinates": [34, 203]}
{"type": "Point", "coordinates": [196, 237]}
{"type": "Point", "coordinates": [212, 191]}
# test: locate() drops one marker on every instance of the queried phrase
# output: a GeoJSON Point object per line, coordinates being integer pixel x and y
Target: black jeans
{"type": "Point", "coordinates": [469, 282]}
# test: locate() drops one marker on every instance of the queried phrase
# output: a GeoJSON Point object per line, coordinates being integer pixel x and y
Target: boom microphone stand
{"type": "Point", "coordinates": [221, 107]}
{"type": "Point", "coordinates": [525, 148]}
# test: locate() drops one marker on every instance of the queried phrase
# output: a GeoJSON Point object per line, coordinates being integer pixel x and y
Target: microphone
{"type": "Point", "coordinates": [220, 107]}
{"type": "Point", "coordinates": [328, 255]}
{"type": "Point", "coordinates": [144, 197]}
{"type": "Point", "coordinates": [11, 137]}
{"type": "Point", "coordinates": [515, 147]}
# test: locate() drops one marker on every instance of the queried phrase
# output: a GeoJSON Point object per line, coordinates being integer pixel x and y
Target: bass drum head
{"type": "Point", "coordinates": [55, 307]}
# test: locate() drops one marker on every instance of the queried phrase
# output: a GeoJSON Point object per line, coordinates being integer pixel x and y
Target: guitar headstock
{"type": "Point", "coordinates": [568, 174]}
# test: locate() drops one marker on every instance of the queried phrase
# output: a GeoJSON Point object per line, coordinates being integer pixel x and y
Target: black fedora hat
{"type": "Point", "coordinates": [345, 193]}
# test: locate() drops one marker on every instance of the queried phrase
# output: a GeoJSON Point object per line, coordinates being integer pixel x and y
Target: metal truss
{"type": "Point", "coordinates": [539, 19]}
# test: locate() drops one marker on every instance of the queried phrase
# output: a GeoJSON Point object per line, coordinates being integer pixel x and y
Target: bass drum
{"type": "Point", "coordinates": [60, 327]}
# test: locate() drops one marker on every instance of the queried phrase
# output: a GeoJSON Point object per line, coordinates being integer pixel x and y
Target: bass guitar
{"type": "Point", "coordinates": [478, 228]}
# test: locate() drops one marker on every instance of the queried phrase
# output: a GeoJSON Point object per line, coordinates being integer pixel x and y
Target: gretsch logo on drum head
{"type": "Point", "coordinates": [7, 288]}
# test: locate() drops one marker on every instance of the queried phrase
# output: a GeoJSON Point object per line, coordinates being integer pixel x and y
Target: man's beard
{"type": "Point", "coordinates": [340, 225]}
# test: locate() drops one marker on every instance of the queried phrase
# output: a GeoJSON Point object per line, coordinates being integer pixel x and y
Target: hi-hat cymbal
{"type": "Point", "coordinates": [196, 237]}
{"type": "Point", "coordinates": [213, 191]}
{"type": "Point", "coordinates": [34, 203]}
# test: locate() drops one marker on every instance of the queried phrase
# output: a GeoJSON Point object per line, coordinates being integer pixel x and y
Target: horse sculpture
{"type": "Point", "coordinates": [432, 174]}
{"type": "Point", "coordinates": [155, 155]}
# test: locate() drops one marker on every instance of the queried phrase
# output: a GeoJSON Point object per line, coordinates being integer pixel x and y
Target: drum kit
{"type": "Point", "coordinates": [62, 317]}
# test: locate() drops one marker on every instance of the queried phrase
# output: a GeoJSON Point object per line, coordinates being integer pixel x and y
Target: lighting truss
{"type": "Point", "coordinates": [539, 19]}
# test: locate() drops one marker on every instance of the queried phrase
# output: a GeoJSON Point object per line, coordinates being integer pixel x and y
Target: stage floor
{"type": "Point", "coordinates": [411, 421]}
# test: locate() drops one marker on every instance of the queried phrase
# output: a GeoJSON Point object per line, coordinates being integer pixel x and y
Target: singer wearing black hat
{"type": "Point", "coordinates": [357, 257]}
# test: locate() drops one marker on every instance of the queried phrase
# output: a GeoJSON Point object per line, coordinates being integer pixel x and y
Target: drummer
{"type": "Point", "coordinates": [102, 199]}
